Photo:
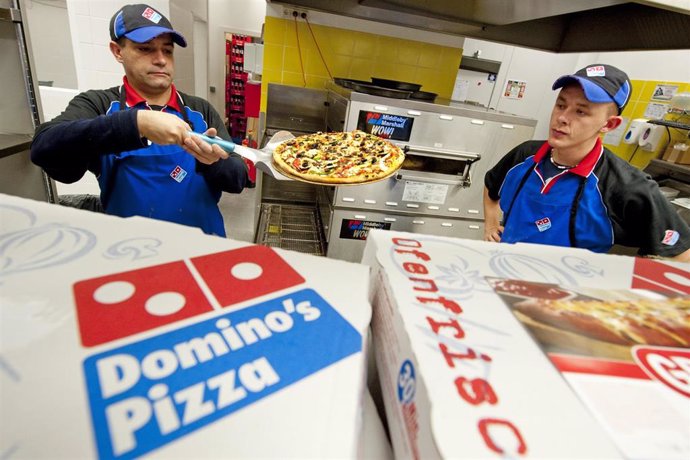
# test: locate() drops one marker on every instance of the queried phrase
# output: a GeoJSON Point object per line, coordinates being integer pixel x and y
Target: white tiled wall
{"type": "Point", "coordinates": [89, 24]}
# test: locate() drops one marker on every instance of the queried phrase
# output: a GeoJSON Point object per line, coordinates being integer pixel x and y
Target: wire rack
{"type": "Point", "coordinates": [296, 228]}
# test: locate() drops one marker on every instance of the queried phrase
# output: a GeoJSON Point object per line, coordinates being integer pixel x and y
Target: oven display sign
{"type": "Point", "coordinates": [353, 229]}
{"type": "Point", "coordinates": [384, 125]}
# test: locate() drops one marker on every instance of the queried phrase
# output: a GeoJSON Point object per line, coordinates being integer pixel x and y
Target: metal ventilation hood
{"type": "Point", "coordinates": [561, 26]}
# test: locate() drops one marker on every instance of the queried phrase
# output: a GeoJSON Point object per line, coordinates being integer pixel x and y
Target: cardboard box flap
{"type": "Point", "coordinates": [150, 338]}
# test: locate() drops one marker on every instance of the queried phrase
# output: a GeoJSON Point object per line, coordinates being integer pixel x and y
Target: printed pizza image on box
{"type": "Point", "coordinates": [124, 338]}
{"type": "Point", "coordinates": [612, 344]}
{"type": "Point", "coordinates": [468, 369]}
{"type": "Point", "coordinates": [596, 322]}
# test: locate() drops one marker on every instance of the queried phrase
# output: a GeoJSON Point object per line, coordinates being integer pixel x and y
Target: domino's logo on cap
{"type": "Point", "coordinates": [671, 237]}
{"type": "Point", "coordinates": [596, 71]}
{"type": "Point", "coordinates": [151, 15]}
{"type": "Point", "coordinates": [141, 23]}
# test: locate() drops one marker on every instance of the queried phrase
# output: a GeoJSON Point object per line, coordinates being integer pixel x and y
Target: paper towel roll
{"type": "Point", "coordinates": [650, 137]}
{"type": "Point", "coordinates": [632, 135]}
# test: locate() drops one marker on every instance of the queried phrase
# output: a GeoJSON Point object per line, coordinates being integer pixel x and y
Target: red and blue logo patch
{"type": "Point", "coordinates": [178, 174]}
{"type": "Point", "coordinates": [670, 237]}
{"type": "Point", "coordinates": [543, 224]}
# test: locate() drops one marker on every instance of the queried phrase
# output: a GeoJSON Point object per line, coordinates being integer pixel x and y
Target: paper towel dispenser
{"type": "Point", "coordinates": [632, 135]}
{"type": "Point", "coordinates": [650, 137]}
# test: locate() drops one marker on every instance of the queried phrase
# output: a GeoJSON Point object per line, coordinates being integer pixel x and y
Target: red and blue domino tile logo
{"type": "Point", "coordinates": [149, 385]}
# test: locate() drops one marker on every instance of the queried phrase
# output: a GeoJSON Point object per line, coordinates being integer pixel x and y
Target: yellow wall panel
{"type": "Point", "coordinates": [641, 97]}
{"type": "Point", "coordinates": [293, 59]}
{"type": "Point", "coordinates": [343, 46]}
{"type": "Point", "coordinates": [409, 54]}
{"type": "Point", "coordinates": [352, 54]}
{"type": "Point", "coordinates": [292, 78]}
{"type": "Point", "coordinates": [273, 57]}
{"type": "Point", "coordinates": [274, 31]}
{"type": "Point", "coordinates": [365, 47]}
{"type": "Point", "coordinates": [429, 56]}
{"type": "Point", "coordinates": [360, 68]}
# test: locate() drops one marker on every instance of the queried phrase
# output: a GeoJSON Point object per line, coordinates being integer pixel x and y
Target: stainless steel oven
{"type": "Point", "coordinates": [439, 189]}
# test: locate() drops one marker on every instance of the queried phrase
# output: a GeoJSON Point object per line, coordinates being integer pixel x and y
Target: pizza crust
{"type": "Point", "coordinates": [623, 322]}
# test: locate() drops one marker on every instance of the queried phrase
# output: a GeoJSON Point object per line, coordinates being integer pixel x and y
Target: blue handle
{"type": "Point", "coordinates": [228, 146]}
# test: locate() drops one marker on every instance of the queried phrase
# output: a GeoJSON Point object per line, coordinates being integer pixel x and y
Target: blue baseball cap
{"type": "Point", "coordinates": [601, 83]}
{"type": "Point", "coordinates": [141, 23]}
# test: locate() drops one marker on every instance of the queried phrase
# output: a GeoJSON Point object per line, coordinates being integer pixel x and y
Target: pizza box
{"type": "Point", "coordinates": [462, 377]}
{"type": "Point", "coordinates": [131, 337]}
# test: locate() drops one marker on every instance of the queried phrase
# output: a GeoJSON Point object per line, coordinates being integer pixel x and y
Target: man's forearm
{"type": "Point", "coordinates": [65, 148]}
{"type": "Point", "coordinates": [492, 218]}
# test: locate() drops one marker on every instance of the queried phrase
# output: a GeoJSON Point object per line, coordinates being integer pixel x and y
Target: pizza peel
{"type": "Point", "coordinates": [262, 159]}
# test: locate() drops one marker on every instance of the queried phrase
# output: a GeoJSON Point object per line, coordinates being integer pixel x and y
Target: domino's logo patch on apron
{"type": "Point", "coordinates": [178, 174]}
{"type": "Point", "coordinates": [543, 224]}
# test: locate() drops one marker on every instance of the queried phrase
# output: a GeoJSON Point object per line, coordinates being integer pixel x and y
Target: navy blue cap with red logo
{"type": "Point", "coordinates": [141, 23]}
{"type": "Point", "coordinates": [601, 83]}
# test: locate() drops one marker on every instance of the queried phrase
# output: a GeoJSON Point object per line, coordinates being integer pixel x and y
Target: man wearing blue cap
{"type": "Point", "coordinates": [135, 137]}
{"type": "Point", "coordinates": [571, 191]}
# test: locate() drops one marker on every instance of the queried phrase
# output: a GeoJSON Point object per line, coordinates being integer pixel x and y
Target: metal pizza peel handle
{"type": "Point", "coordinates": [262, 159]}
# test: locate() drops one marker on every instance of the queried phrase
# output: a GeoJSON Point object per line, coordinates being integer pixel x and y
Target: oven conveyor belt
{"type": "Point", "coordinates": [296, 228]}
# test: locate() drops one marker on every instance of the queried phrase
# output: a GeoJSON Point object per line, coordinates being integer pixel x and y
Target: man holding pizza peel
{"type": "Point", "coordinates": [136, 137]}
{"type": "Point", "coordinates": [572, 191]}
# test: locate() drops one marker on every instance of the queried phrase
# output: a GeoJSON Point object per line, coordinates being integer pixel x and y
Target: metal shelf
{"type": "Point", "coordinates": [670, 124]}
{"type": "Point", "coordinates": [14, 143]}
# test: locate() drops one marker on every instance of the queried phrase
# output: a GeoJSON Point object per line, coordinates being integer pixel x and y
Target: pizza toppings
{"type": "Point", "coordinates": [625, 322]}
{"type": "Point", "coordinates": [338, 157]}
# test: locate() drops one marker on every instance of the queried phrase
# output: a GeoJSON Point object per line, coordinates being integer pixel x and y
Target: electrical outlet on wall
{"type": "Point", "coordinates": [294, 12]}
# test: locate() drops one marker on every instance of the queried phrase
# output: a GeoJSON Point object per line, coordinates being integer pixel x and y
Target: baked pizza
{"type": "Point", "coordinates": [624, 322]}
{"type": "Point", "coordinates": [350, 157]}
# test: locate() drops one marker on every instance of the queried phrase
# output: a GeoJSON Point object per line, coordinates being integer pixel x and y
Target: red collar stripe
{"type": "Point", "coordinates": [132, 98]}
{"type": "Point", "coordinates": [585, 167]}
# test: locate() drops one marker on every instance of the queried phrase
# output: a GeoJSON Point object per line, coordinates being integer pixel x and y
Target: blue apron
{"type": "Point", "coordinates": [570, 214]}
{"type": "Point", "coordinates": [160, 182]}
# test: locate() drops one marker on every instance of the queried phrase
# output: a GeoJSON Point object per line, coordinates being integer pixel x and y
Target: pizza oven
{"type": "Point", "coordinates": [439, 189]}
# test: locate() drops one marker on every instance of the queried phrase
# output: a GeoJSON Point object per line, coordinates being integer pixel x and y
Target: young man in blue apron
{"type": "Point", "coordinates": [135, 137]}
{"type": "Point", "coordinates": [571, 191]}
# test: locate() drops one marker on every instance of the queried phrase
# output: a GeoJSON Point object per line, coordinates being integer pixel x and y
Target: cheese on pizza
{"type": "Point", "coordinates": [338, 157]}
{"type": "Point", "coordinates": [626, 322]}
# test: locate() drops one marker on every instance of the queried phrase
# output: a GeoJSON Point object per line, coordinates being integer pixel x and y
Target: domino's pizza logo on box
{"type": "Point", "coordinates": [149, 393]}
{"type": "Point", "coordinates": [146, 393]}
{"type": "Point", "coordinates": [120, 305]}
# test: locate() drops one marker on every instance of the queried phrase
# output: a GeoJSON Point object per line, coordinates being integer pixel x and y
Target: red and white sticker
{"type": "Point", "coordinates": [670, 237]}
{"type": "Point", "coordinates": [596, 71]}
{"type": "Point", "coordinates": [152, 15]}
{"type": "Point", "coordinates": [670, 366]}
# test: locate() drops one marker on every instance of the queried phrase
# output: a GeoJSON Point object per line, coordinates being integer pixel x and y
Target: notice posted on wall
{"type": "Point", "coordinates": [664, 92]}
{"type": "Point", "coordinates": [655, 111]}
{"type": "Point", "coordinates": [460, 90]}
{"type": "Point", "coordinates": [515, 89]}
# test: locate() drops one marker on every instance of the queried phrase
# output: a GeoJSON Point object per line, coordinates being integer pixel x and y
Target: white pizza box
{"type": "Point", "coordinates": [462, 378]}
{"type": "Point", "coordinates": [132, 337]}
